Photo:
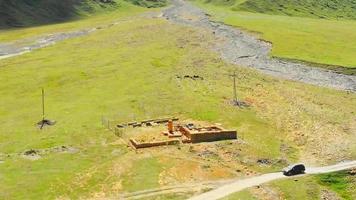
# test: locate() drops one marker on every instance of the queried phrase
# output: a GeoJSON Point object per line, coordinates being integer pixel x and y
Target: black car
{"type": "Point", "coordinates": [294, 170]}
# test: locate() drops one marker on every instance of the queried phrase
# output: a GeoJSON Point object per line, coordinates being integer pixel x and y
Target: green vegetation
{"type": "Point", "coordinates": [125, 72]}
{"type": "Point", "coordinates": [298, 188]}
{"type": "Point", "coordinates": [340, 182]}
{"type": "Point", "coordinates": [308, 187]}
{"type": "Point", "coordinates": [25, 13]}
{"type": "Point", "coordinates": [329, 43]}
{"type": "Point", "coordinates": [334, 9]}
{"type": "Point", "coordinates": [149, 3]}
{"type": "Point", "coordinates": [19, 13]}
{"type": "Point", "coordinates": [125, 9]}
{"type": "Point", "coordinates": [143, 175]}
{"type": "Point", "coordinates": [243, 195]}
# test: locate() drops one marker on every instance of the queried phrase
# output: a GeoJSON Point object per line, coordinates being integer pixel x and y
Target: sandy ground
{"type": "Point", "coordinates": [240, 48]}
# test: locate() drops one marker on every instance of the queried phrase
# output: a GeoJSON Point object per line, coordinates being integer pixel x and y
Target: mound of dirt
{"type": "Point", "coordinates": [31, 154]}
{"type": "Point", "coordinates": [35, 154]}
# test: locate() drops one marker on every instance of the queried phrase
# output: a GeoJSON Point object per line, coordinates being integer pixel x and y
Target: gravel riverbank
{"type": "Point", "coordinates": [245, 50]}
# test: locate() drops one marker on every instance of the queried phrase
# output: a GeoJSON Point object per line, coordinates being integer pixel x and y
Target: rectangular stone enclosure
{"type": "Point", "coordinates": [207, 134]}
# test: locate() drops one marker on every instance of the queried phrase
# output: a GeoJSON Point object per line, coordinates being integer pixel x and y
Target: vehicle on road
{"type": "Point", "coordinates": [294, 170]}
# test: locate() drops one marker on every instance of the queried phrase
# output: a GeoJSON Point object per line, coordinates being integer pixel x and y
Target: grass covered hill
{"type": "Point", "coordinates": [334, 9]}
{"type": "Point", "coordinates": [22, 13]}
{"type": "Point", "coordinates": [18, 13]}
{"type": "Point", "coordinates": [296, 33]}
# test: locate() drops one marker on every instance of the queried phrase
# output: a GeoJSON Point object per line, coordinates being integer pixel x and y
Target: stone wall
{"type": "Point", "coordinates": [213, 136]}
{"type": "Point", "coordinates": [139, 145]}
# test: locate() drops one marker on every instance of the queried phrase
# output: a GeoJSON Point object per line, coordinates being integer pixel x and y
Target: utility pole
{"type": "Point", "coordinates": [43, 105]}
{"type": "Point", "coordinates": [43, 109]}
{"type": "Point", "coordinates": [235, 95]}
{"type": "Point", "coordinates": [44, 121]}
{"type": "Point", "coordinates": [235, 100]}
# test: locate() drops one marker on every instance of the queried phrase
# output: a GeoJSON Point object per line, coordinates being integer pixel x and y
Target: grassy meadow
{"type": "Point", "coordinates": [126, 72]}
{"type": "Point", "coordinates": [328, 42]}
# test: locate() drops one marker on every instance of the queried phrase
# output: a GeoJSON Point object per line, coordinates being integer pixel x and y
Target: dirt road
{"type": "Point", "coordinates": [222, 188]}
{"type": "Point", "coordinates": [254, 181]}
{"type": "Point", "coordinates": [245, 50]}
{"type": "Point", "coordinates": [20, 47]}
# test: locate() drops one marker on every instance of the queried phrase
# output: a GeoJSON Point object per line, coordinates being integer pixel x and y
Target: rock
{"type": "Point", "coordinates": [264, 161]}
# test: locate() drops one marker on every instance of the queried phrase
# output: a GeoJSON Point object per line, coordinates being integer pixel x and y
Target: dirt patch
{"type": "Point", "coordinates": [265, 193]}
{"type": "Point", "coordinates": [191, 171]}
{"type": "Point", "coordinates": [192, 77]}
{"type": "Point", "coordinates": [35, 154]}
{"type": "Point", "coordinates": [46, 122]}
{"type": "Point", "coordinates": [31, 154]}
{"type": "Point", "coordinates": [328, 195]}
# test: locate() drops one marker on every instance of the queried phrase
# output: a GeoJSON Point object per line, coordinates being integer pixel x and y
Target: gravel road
{"type": "Point", "coordinates": [20, 47]}
{"type": "Point", "coordinates": [243, 49]}
{"type": "Point", "coordinates": [258, 180]}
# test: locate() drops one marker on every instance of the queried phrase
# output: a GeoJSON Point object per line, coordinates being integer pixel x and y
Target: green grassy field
{"type": "Point", "coordinates": [330, 43]}
{"type": "Point", "coordinates": [126, 72]}
{"type": "Point", "coordinates": [327, 9]}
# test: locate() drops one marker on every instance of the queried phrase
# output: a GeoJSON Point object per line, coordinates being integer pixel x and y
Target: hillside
{"type": "Point", "coordinates": [135, 64]}
{"type": "Point", "coordinates": [333, 9]}
{"type": "Point", "coordinates": [325, 42]}
{"type": "Point", "coordinates": [22, 13]}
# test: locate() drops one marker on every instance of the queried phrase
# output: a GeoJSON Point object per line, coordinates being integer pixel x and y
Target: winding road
{"type": "Point", "coordinates": [254, 181]}
{"type": "Point", "coordinates": [223, 188]}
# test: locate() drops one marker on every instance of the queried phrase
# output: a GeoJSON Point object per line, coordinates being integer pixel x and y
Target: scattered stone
{"type": "Point", "coordinates": [35, 154]}
{"type": "Point", "coordinates": [352, 172]}
{"type": "Point", "coordinates": [194, 77]}
{"type": "Point", "coordinates": [64, 149]}
{"type": "Point", "coordinates": [207, 154]}
{"type": "Point", "coordinates": [263, 161]}
{"type": "Point", "coordinates": [190, 126]}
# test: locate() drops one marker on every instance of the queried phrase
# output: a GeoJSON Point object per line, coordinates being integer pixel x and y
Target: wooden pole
{"type": "Point", "coordinates": [235, 95]}
{"type": "Point", "coordinates": [43, 105]}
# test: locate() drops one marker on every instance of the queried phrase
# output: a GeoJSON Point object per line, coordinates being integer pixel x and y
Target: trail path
{"type": "Point", "coordinates": [245, 50]}
{"type": "Point", "coordinates": [20, 47]}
